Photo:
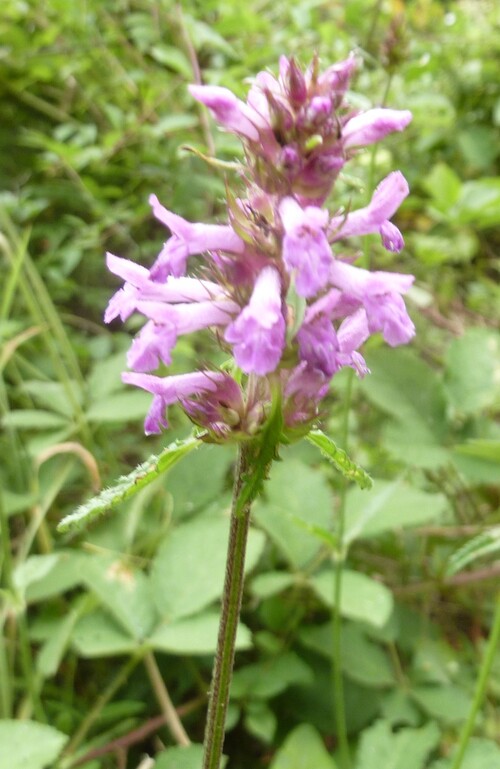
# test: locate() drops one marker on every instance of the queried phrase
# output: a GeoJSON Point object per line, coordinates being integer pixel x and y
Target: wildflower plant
{"type": "Point", "coordinates": [285, 304]}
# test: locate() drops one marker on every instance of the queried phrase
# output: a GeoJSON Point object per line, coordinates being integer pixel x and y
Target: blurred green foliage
{"type": "Point", "coordinates": [96, 116]}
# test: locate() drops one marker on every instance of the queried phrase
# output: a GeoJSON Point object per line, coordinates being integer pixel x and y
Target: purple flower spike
{"type": "Point", "coordinates": [292, 313]}
{"type": "Point", "coordinates": [168, 390]}
{"type": "Point", "coordinates": [229, 111]}
{"type": "Point", "coordinates": [258, 333]}
{"type": "Point", "coordinates": [373, 125]}
{"type": "Point", "coordinates": [305, 247]}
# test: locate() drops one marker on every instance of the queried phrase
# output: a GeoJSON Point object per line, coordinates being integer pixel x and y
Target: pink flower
{"type": "Point", "coordinates": [306, 251]}
{"type": "Point", "coordinates": [373, 125]}
{"type": "Point", "coordinates": [385, 201]}
{"type": "Point", "coordinates": [189, 239]}
{"type": "Point", "coordinates": [380, 295]}
{"type": "Point", "coordinates": [229, 111]}
{"type": "Point", "coordinates": [258, 333]}
{"type": "Point", "coordinates": [169, 390]}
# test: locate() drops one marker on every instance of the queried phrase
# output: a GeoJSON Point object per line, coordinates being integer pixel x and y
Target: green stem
{"type": "Point", "coordinates": [481, 686]}
{"type": "Point", "coordinates": [6, 574]}
{"type": "Point", "coordinates": [231, 605]}
{"type": "Point", "coordinates": [338, 681]}
{"type": "Point", "coordinates": [172, 719]}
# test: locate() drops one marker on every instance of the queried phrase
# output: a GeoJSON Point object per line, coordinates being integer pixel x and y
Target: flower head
{"type": "Point", "coordinates": [275, 291]}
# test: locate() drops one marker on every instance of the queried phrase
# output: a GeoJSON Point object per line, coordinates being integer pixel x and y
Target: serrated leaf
{"type": "Point", "coordinates": [128, 485]}
{"type": "Point", "coordinates": [340, 459]}
{"type": "Point", "coordinates": [486, 543]}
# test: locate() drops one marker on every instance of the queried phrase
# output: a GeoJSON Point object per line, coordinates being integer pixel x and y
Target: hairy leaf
{"type": "Point", "coordinates": [340, 459]}
{"type": "Point", "coordinates": [128, 485]}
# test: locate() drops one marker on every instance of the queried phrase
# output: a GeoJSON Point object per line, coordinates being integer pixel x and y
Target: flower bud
{"type": "Point", "coordinates": [319, 110]}
{"type": "Point", "coordinates": [290, 159]}
{"type": "Point", "coordinates": [296, 87]}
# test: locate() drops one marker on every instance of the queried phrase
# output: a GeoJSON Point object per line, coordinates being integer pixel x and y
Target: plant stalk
{"type": "Point", "coordinates": [481, 686]}
{"type": "Point", "coordinates": [171, 718]}
{"type": "Point", "coordinates": [230, 612]}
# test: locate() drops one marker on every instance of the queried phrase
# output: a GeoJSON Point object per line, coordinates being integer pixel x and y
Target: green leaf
{"type": "Point", "coordinates": [34, 419]}
{"type": "Point", "coordinates": [128, 485]}
{"type": "Point", "coordinates": [390, 507]}
{"type": "Point", "coordinates": [362, 660]}
{"type": "Point", "coordinates": [260, 721]}
{"type": "Point", "coordinates": [123, 590]}
{"type": "Point", "coordinates": [268, 678]}
{"type": "Point", "coordinates": [41, 577]}
{"type": "Point", "coordinates": [473, 371]}
{"type": "Point", "coordinates": [443, 185]}
{"type": "Point", "coordinates": [213, 465]}
{"type": "Point", "coordinates": [339, 458]}
{"type": "Point", "coordinates": [408, 748]}
{"type": "Point", "coordinates": [52, 652]}
{"type": "Point", "coordinates": [178, 757]}
{"type": "Point", "coordinates": [188, 570]}
{"type": "Point", "coordinates": [303, 749]}
{"type": "Point", "coordinates": [478, 461]}
{"type": "Point", "coordinates": [98, 635]}
{"type": "Point", "coordinates": [263, 451]}
{"type": "Point", "coordinates": [173, 58]}
{"type": "Point", "coordinates": [362, 598]}
{"type": "Point", "coordinates": [479, 203]}
{"type": "Point", "coordinates": [409, 391]}
{"type": "Point", "coordinates": [195, 635]}
{"type": "Point", "coordinates": [486, 543]}
{"type": "Point", "coordinates": [449, 704]}
{"type": "Point", "coordinates": [29, 744]}
{"type": "Point", "coordinates": [480, 754]}
{"type": "Point", "coordinates": [295, 493]}
{"type": "Point", "coordinates": [271, 582]}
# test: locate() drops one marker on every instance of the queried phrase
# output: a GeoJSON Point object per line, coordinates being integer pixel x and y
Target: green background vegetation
{"type": "Point", "coordinates": [95, 117]}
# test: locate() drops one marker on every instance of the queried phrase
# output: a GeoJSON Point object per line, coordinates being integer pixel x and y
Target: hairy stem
{"type": "Point", "coordinates": [231, 604]}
